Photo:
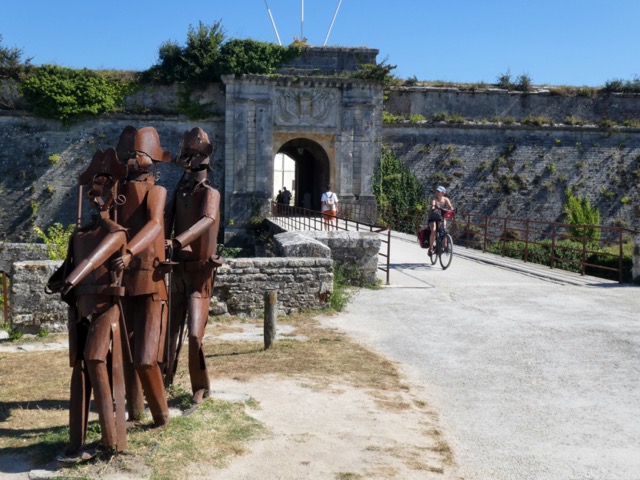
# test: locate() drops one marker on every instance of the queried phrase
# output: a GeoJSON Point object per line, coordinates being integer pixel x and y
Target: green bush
{"type": "Point", "coordinates": [56, 239]}
{"type": "Point", "coordinates": [569, 255]}
{"type": "Point", "coordinates": [580, 212]}
{"type": "Point", "coordinates": [206, 56]}
{"type": "Point", "coordinates": [622, 86]}
{"type": "Point", "coordinates": [252, 57]}
{"type": "Point", "coordinates": [399, 194]}
{"type": "Point", "coordinates": [11, 63]}
{"type": "Point", "coordinates": [64, 93]}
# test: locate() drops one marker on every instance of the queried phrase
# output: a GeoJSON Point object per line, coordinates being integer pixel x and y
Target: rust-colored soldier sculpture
{"type": "Point", "coordinates": [145, 304]}
{"type": "Point", "coordinates": [95, 316]}
{"type": "Point", "coordinates": [193, 218]}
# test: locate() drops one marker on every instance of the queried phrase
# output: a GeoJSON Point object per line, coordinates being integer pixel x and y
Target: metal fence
{"type": "Point", "coordinates": [585, 249]}
{"type": "Point", "coordinates": [298, 218]}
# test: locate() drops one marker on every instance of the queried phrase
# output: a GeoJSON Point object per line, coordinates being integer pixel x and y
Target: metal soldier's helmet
{"type": "Point", "coordinates": [195, 150]}
{"type": "Point", "coordinates": [139, 149]}
{"type": "Point", "coordinates": [102, 177]}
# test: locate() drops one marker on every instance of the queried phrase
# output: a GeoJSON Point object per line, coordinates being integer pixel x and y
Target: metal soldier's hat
{"type": "Point", "coordinates": [103, 163]}
{"type": "Point", "coordinates": [140, 148]}
{"type": "Point", "coordinates": [195, 150]}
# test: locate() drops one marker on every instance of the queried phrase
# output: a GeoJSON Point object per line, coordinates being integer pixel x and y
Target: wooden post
{"type": "Point", "coordinates": [5, 297]}
{"type": "Point", "coordinates": [270, 315]}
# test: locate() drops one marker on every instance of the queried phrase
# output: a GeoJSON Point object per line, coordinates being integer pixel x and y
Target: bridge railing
{"type": "Point", "coordinates": [298, 218]}
{"type": "Point", "coordinates": [586, 249]}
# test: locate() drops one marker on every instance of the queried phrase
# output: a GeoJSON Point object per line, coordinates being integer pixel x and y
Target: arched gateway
{"type": "Point", "coordinates": [329, 126]}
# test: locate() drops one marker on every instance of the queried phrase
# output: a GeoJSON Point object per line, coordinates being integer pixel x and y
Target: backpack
{"type": "Point", "coordinates": [330, 201]}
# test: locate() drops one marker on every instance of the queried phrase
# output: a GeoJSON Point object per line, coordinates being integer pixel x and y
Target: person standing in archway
{"type": "Point", "coordinates": [329, 201]}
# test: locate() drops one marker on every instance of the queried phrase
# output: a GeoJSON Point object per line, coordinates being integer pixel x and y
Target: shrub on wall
{"type": "Point", "coordinates": [399, 194]}
{"type": "Point", "coordinates": [206, 56]}
{"type": "Point", "coordinates": [580, 212]}
{"type": "Point", "coordinates": [248, 56]}
{"type": "Point", "coordinates": [64, 93]}
{"type": "Point", "coordinates": [56, 239]}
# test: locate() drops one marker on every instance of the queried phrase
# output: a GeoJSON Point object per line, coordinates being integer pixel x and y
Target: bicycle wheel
{"type": "Point", "coordinates": [446, 252]}
{"type": "Point", "coordinates": [434, 252]}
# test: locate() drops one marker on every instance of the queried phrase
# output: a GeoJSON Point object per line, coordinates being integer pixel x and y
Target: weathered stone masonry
{"type": "Point", "coordinates": [302, 283]}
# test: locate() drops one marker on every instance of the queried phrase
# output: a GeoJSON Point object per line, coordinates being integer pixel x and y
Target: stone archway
{"type": "Point", "coordinates": [313, 168]}
{"type": "Point", "coordinates": [330, 126]}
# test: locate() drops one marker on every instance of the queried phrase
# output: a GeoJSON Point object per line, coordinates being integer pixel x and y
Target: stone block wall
{"type": "Point", "coordinates": [301, 283]}
{"type": "Point", "coordinates": [32, 310]}
{"type": "Point", "coordinates": [357, 252]}
{"type": "Point", "coordinates": [35, 190]}
{"type": "Point", "coordinates": [523, 171]}
{"type": "Point", "coordinates": [16, 252]}
{"type": "Point", "coordinates": [489, 103]}
{"type": "Point", "coordinates": [636, 259]}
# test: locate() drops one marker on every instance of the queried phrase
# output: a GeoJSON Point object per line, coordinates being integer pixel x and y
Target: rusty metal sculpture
{"type": "Point", "coordinates": [193, 218]}
{"type": "Point", "coordinates": [95, 317]}
{"type": "Point", "coordinates": [145, 303]}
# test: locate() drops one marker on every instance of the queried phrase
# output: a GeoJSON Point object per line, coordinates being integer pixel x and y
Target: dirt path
{"type": "Point", "coordinates": [315, 429]}
{"type": "Point", "coordinates": [338, 432]}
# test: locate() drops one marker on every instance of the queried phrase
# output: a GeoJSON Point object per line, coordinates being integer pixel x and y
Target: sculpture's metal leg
{"type": "Point", "coordinates": [148, 350]}
{"type": "Point", "coordinates": [178, 317]}
{"type": "Point", "coordinates": [104, 335]}
{"type": "Point", "coordinates": [117, 383]}
{"type": "Point", "coordinates": [133, 386]}
{"type": "Point", "coordinates": [198, 315]}
{"type": "Point", "coordinates": [79, 406]}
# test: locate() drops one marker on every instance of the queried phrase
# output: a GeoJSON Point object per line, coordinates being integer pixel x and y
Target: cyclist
{"type": "Point", "coordinates": [435, 215]}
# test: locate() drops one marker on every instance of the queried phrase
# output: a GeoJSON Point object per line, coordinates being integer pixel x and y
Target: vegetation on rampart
{"type": "Point", "coordinates": [65, 94]}
{"type": "Point", "coordinates": [399, 194]}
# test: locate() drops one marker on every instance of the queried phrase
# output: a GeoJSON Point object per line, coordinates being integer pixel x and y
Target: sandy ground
{"type": "Point", "coordinates": [313, 432]}
{"type": "Point", "coordinates": [338, 432]}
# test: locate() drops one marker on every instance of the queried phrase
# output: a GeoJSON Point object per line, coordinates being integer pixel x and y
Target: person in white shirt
{"type": "Point", "coordinates": [329, 202]}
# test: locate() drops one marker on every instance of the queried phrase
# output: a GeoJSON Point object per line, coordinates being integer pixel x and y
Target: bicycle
{"type": "Point", "coordinates": [443, 248]}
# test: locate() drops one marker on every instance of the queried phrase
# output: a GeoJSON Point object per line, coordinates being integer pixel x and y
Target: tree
{"type": "Point", "coordinates": [11, 63]}
{"type": "Point", "coordinates": [195, 62]}
{"type": "Point", "coordinates": [399, 194]}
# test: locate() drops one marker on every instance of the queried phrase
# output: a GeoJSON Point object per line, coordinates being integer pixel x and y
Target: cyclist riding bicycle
{"type": "Point", "coordinates": [438, 204]}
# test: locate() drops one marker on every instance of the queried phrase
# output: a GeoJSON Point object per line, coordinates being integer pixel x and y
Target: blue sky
{"type": "Point", "coordinates": [556, 42]}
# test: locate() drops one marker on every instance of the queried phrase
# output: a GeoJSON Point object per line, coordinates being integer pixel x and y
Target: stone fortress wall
{"type": "Point", "coordinates": [490, 167]}
{"type": "Point", "coordinates": [493, 162]}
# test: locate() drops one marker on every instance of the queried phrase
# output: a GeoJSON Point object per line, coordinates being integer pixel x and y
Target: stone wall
{"type": "Point", "coordinates": [32, 310]}
{"type": "Point", "coordinates": [636, 259]}
{"type": "Point", "coordinates": [523, 171]}
{"type": "Point", "coordinates": [37, 191]}
{"type": "Point", "coordinates": [302, 283]}
{"type": "Point", "coordinates": [329, 60]}
{"type": "Point", "coordinates": [18, 252]}
{"type": "Point", "coordinates": [489, 103]}
{"type": "Point", "coordinates": [356, 252]}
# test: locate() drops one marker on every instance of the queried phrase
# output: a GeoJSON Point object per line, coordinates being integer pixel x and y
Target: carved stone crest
{"type": "Point", "coordinates": [307, 107]}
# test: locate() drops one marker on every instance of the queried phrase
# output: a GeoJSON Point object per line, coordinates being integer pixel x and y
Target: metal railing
{"type": "Point", "coordinates": [298, 218]}
{"type": "Point", "coordinates": [585, 249]}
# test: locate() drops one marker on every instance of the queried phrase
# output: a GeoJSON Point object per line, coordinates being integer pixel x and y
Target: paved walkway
{"type": "Point", "coordinates": [535, 372]}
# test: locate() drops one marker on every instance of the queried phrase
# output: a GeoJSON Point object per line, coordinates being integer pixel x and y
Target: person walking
{"type": "Point", "coordinates": [329, 201]}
